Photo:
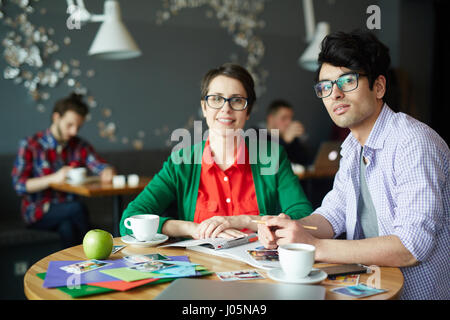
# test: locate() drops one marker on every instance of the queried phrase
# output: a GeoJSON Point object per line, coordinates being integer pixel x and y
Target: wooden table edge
{"type": "Point", "coordinates": [34, 296]}
{"type": "Point", "coordinates": [109, 190]}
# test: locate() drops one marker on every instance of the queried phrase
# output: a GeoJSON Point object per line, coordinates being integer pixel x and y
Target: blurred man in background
{"type": "Point", "coordinates": [280, 115]}
{"type": "Point", "coordinates": [45, 158]}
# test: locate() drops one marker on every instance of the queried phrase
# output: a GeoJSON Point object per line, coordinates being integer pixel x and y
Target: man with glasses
{"type": "Point", "coordinates": [391, 194]}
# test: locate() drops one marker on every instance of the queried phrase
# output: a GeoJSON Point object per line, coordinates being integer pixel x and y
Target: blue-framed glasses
{"type": "Point", "coordinates": [217, 102]}
{"type": "Point", "coordinates": [347, 82]}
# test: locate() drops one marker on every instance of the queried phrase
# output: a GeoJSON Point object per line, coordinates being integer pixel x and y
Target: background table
{"type": "Point", "coordinates": [391, 278]}
{"type": "Point", "coordinates": [95, 188]}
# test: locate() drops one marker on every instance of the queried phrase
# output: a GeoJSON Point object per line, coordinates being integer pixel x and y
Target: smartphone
{"type": "Point", "coordinates": [345, 269]}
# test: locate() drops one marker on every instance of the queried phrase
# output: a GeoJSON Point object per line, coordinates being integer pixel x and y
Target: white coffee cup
{"type": "Point", "coordinates": [77, 175]}
{"type": "Point", "coordinates": [118, 181]}
{"type": "Point", "coordinates": [133, 180]}
{"type": "Point", "coordinates": [296, 259]}
{"type": "Point", "coordinates": [144, 226]}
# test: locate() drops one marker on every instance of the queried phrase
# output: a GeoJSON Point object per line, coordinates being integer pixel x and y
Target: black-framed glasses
{"type": "Point", "coordinates": [217, 102]}
{"type": "Point", "coordinates": [347, 82]}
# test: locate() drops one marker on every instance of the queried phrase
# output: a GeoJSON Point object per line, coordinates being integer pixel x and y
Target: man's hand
{"type": "Point", "coordinates": [266, 233]}
{"type": "Point", "coordinates": [290, 231]}
{"type": "Point", "coordinates": [281, 230]}
{"type": "Point", "coordinates": [294, 130]}
{"type": "Point", "coordinates": [60, 175]}
{"type": "Point", "coordinates": [107, 174]}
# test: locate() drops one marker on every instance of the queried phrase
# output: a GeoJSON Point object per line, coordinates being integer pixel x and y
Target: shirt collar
{"type": "Point", "coordinates": [380, 130]}
{"type": "Point", "coordinates": [49, 139]}
{"type": "Point", "coordinates": [239, 162]}
{"type": "Point", "coordinates": [377, 136]}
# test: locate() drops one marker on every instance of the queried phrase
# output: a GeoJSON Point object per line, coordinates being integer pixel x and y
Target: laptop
{"type": "Point", "coordinates": [328, 156]}
{"type": "Point", "coordinates": [202, 289]}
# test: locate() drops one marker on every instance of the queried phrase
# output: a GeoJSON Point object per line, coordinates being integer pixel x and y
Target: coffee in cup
{"type": "Point", "coordinates": [296, 259]}
{"type": "Point", "coordinates": [144, 226]}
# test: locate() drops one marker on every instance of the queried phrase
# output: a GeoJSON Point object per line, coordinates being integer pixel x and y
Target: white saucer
{"type": "Point", "coordinates": [86, 180]}
{"type": "Point", "coordinates": [315, 276]}
{"type": "Point", "coordinates": [159, 238]}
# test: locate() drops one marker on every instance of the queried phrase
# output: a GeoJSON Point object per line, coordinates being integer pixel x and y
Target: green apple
{"type": "Point", "coordinates": [97, 244]}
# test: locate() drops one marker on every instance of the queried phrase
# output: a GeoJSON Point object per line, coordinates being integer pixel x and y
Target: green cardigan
{"type": "Point", "coordinates": [276, 190]}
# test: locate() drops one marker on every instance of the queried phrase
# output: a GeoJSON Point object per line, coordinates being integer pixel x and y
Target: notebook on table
{"type": "Point", "coordinates": [239, 252]}
{"type": "Point", "coordinates": [216, 243]}
{"type": "Point", "coordinates": [202, 289]}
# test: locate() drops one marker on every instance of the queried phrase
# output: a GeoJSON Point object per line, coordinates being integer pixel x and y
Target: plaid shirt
{"type": "Point", "coordinates": [41, 155]}
{"type": "Point", "coordinates": [408, 179]}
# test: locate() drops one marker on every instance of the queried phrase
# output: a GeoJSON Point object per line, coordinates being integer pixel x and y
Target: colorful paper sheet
{"type": "Point", "coordinates": [120, 285]}
{"type": "Point", "coordinates": [96, 282]}
{"type": "Point", "coordinates": [79, 291]}
{"type": "Point", "coordinates": [128, 275]}
{"type": "Point", "coordinates": [55, 277]}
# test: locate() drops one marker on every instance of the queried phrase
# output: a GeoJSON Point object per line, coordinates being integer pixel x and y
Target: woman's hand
{"type": "Point", "coordinates": [210, 228]}
{"type": "Point", "coordinates": [221, 227]}
{"type": "Point", "coordinates": [180, 228]}
{"type": "Point", "coordinates": [231, 233]}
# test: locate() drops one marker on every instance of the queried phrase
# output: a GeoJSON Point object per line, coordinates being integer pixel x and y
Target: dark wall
{"type": "Point", "coordinates": [161, 88]}
{"type": "Point", "coordinates": [158, 92]}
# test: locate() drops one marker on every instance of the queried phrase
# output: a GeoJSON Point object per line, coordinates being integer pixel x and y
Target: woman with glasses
{"type": "Point", "coordinates": [220, 194]}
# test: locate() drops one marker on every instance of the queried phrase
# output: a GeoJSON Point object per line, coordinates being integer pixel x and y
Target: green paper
{"type": "Point", "coordinates": [82, 291]}
{"type": "Point", "coordinates": [127, 274]}
{"type": "Point", "coordinates": [130, 275]}
{"type": "Point", "coordinates": [200, 268]}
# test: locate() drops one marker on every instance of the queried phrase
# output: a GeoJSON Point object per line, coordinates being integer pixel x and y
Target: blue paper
{"type": "Point", "coordinates": [56, 277]}
{"type": "Point", "coordinates": [179, 271]}
{"type": "Point", "coordinates": [179, 263]}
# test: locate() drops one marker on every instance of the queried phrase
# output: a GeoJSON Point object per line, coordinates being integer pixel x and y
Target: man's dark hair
{"type": "Point", "coordinates": [358, 51]}
{"type": "Point", "coordinates": [234, 71]}
{"type": "Point", "coordinates": [74, 102]}
{"type": "Point", "coordinates": [276, 105]}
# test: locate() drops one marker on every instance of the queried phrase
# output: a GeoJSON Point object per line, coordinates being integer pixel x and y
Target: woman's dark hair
{"type": "Point", "coordinates": [358, 51]}
{"type": "Point", "coordinates": [234, 71]}
{"type": "Point", "coordinates": [74, 102]}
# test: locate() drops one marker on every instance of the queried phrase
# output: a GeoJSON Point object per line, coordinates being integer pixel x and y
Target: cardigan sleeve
{"type": "Point", "coordinates": [291, 196]}
{"type": "Point", "coordinates": [159, 193]}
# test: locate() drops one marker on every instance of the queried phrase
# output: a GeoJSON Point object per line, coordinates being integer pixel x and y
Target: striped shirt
{"type": "Point", "coordinates": [41, 155]}
{"type": "Point", "coordinates": [408, 179]}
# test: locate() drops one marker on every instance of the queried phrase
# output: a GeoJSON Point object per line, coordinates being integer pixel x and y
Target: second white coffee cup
{"type": "Point", "coordinates": [296, 259]}
{"type": "Point", "coordinates": [144, 226]}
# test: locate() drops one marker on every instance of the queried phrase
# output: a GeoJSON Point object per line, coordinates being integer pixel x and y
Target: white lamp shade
{"type": "Point", "coordinates": [308, 59]}
{"type": "Point", "coordinates": [113, 41]}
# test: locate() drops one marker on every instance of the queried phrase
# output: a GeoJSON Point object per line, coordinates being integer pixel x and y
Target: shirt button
{"type": "Point", "coordinates": [228, 200]}
{"type": "Point", "coordinates": [225, 179]}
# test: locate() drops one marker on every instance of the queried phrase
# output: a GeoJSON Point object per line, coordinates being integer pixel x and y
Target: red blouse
{"type": "Point", "coordinates": [225, 193]}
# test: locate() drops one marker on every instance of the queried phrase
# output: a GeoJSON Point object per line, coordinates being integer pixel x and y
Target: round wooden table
{"type": "Point", "coordinates": [391, 278]}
